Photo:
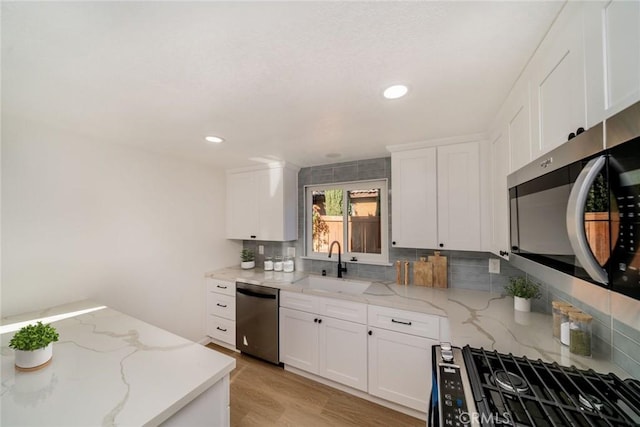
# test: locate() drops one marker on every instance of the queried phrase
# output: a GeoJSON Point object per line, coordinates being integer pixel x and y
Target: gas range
{"type": "Point", "coordinates": [477, 387]}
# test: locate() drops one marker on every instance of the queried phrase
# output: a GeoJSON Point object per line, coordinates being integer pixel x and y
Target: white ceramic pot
{"type": "Point", "coordinates": [522, 304]}
{"type": "Point", "coordinates": [34, 358]}
{"type": "Point", "coordinates": [247, 265]}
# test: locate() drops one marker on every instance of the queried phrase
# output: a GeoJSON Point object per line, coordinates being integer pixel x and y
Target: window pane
{"type": "Point", "coordinates": [327, 219]}
{"type": "Point", "coordinates": [364, 221]}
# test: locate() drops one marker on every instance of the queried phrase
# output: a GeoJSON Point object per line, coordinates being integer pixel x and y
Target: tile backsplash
{"type": "Point", "coordinates": [466, 270]}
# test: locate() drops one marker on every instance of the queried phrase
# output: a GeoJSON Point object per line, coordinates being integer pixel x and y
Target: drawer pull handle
{"type": "Point", "coordinates": [221, 305]}
{"type": "Point", "coordinates": [221, 287]}
{"type": "Point", "coordinates": [220, 329]}
{"type": "Point", "coordinates": [399, 321]}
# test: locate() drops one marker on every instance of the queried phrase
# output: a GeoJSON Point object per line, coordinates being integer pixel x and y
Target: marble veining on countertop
{"type": "Point", "coordinates": [108, 369]}
{"type": "Point", "coordinates": [476, 318]}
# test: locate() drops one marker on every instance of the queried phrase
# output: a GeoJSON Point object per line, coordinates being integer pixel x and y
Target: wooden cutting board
{"type": "Point", "coordinates": [423, 273]}
{"type": "Point", "coordinates": [439, 269]}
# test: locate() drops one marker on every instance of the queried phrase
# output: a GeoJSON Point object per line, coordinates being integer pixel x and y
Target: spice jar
{"type": "Point", "coordinates": [277, 264]}
{"type": "Point", "coordinates": [268, 264]}
{"type": "Point", "coordinates": [557, 316]}
{"type": "Point", "coordinates": [580, 333]}
{"type": "Point", "coordinates": [288, 264]}
{"type": "Point", "coordinates": [565, 323]}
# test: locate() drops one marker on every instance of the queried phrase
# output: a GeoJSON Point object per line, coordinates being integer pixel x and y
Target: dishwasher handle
{"type": "Point", "coordinates": [249, 293]}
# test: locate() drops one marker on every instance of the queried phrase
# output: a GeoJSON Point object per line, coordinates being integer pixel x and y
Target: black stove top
{"type": "Point", "coordinates": [517, 391]}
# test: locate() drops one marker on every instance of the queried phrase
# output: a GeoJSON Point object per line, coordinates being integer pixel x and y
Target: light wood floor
{"type": "Point", "coordinates": [266, 395]}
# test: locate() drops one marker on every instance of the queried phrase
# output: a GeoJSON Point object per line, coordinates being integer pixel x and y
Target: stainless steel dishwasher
{"type": "Point", "coordinates": [257, 321]}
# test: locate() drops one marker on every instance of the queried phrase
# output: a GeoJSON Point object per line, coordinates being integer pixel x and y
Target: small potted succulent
{"type": "Point", "coordinates": [34, 346]}
{"type": "Point", "coordinates": [522, 290]}
{"type": "Point", "coordinates": [248, 259]}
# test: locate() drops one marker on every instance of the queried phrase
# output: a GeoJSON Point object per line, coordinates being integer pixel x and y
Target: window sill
{"type": "Point", "coordinates": [382, 263]}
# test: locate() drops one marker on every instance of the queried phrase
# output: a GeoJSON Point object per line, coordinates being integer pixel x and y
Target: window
{"type": "Point", "coordinates": [354, 214]}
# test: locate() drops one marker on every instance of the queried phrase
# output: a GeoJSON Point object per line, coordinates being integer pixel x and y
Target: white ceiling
{"type": "Point", "coordinates": [287, 80]}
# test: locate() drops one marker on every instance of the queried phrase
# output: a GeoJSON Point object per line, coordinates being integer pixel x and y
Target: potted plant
{"type": "Point", "coordinates": [248, 259]}
{"type": "Point", "coordinates": [522, 290]}
{"type": "Point", "coordinates": [34, 346]}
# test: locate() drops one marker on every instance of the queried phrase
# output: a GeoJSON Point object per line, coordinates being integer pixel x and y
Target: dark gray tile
{"type": "Point", "coordinates": [601, 330]}
{"type": "Point", "coordinates": [402, 254]}
{"type": "Point", "coordinates": [376, 272]}
{"type": "Point", "coordinates": [371, 164]}
{"type": "Point", "coordinates": [322, 176]}
{"type": "Point", "coordinates": [345, 173]}
{"type": "Point", "coordinates": [371, 174]}
{"type": "Point", "coordinates": [627, 363]}
{"type": "Point", "coordinates": [304, 177]}
{"type": "Point", "coordinates": [481, 263]}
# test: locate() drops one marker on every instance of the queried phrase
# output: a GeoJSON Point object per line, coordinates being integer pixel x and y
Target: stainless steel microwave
{"type": "Point", "coordinates": [576, 210]}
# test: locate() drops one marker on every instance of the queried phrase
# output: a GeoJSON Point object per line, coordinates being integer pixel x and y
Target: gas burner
{"type": "Point", "coordinates": [510, 382]}
{"type": "Point", "coordinates": [590, 402]}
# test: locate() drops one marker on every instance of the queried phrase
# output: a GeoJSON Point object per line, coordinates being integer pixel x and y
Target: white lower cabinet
{"type": "Point", "coordinates": [400, 368]}
{"type": "Point", "coordinates": [383, 351]}
{"type": "Point", "coordinates": [221, 311]}
{"type": "Point", "coordinates": [332, 348]}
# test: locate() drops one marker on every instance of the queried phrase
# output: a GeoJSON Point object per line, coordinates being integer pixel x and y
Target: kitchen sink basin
{"type": "Point", "coordinates": [330, 284]}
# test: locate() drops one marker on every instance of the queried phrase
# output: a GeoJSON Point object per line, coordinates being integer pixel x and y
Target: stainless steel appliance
{"type": "Point", "coordinates": [257, 321]}
{"type": "Point", "coordinates": [574, 213]}
{"type": "Point", "coordinates": [477, 387]}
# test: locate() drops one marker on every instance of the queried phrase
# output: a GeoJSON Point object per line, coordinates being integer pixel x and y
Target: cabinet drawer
{"type": "Point", "coordinates": [298, 301]}
{"type": "Point", "coordinates": [221, 305]}
{"type": "Point", "coordinates": [221, 286]}
{"type": "Point", "coordinates": [409, 322]}
{"type": "Point", "coordinates": [221, 329]}
{"type": "Point", "coordinates": [345, 310]}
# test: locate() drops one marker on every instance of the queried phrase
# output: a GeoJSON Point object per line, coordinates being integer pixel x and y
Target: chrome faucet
{"type": "Point", "coordinates": [340, 267]}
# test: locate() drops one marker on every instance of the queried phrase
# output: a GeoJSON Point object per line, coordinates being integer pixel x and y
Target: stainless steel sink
{"type": "Point", "coordinates": [330, 284]}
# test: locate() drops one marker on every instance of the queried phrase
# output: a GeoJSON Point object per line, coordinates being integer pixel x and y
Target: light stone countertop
{"type": "Point", "coordinates": [107, 369]}
{"type": "Point", "coordinates": [476, 318]}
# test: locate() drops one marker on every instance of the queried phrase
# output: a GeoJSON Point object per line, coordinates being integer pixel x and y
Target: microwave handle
{"type": "Point", "coordinates": [575, 220]}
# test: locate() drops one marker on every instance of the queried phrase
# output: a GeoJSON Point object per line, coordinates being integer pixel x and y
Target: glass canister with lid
{"type": "Point", "coordinates": [288, 264]}
{"type": "Point", "coordinates": [557, 316]}
{"type": "Point", "coordinates": [277, 263]}
{"type": "Point", "coordinates": [580, 333]}
{"type": "Point", "coordinates": [268, 264]}
{"type": "Point", "coordinates": [565, 323]}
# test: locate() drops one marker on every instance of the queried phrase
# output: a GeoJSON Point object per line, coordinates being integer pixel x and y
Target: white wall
{"type": "Point", "coordinates": [131, 229]}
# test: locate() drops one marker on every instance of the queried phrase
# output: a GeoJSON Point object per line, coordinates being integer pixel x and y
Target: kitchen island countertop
{"type": "Point", "coordinates": [476, 318]}
{"type": "Point", "coordinates": [107, 369]}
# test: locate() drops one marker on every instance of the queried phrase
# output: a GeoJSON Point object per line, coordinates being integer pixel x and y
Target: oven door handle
{"type": "Point", "coordinates": [575, 219]}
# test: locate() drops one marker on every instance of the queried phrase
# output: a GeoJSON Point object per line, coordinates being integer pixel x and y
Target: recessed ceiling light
{"type": "Point", "coordinates": [395, 91]}
{"type": "Point", "coordinates": [214, 139]}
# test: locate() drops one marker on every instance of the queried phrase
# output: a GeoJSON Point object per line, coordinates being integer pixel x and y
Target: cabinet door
{"type": "Point", "coordinates": [519, 131]}
{"type": "Point", "coordinates": [612, 57]}
{"type": "Point", "coordinates": [242, 210]}
{"type": "Point", "coordinates": [558, 82]}
{"type": "Point", "coordinates": [499, 195]}
{"type": "Point", "coordinates": [299, 339]}
{"type": "Point", "coordinates": [400, 368]}
{"type": "Point", "coordinates": [343, 352]}
{"type": "Point", "coordinates": [267, 197]}
{"type": "Point", "coordinates": [459, 197]}
{"type": "Point", "coordinates": [414, 199]}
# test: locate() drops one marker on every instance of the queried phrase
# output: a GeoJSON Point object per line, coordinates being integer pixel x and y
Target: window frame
{"type": "Point", "coordinates": [362, 258]}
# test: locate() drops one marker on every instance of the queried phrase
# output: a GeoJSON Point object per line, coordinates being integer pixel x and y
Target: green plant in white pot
{"type": "Point", "coordinates": [522, 290]}
{"type": "Point", "coordinates": [248, 259]}
{"type": "Point", "coordinates": [33, 345]}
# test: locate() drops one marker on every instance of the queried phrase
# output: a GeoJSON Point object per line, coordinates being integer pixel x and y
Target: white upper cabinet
{"type": "Point", "coordinates": [518, 137]}
{"type": "Point", "coordinates": [414, 198]}
{"type": "Point", "coordinates": [558, 82]}
{"type": "Point", "coordinates": [459, 197]}
{"type": "Point", "coordinates": [612, 57]}
{"type": "Point", "coordinates": [499, 196]}
{"type": "Point", "coordinates": [262, 204]}
{"type": "Point", "coordinates": [436, 197]}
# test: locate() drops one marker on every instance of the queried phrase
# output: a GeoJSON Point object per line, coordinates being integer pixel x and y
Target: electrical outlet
{"type": "Point", "coordinates": [261, 249]}
{"type": "Point", "coordinates": [291, 251]}
{"type": "Point", "coordinates": [494, 265]}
